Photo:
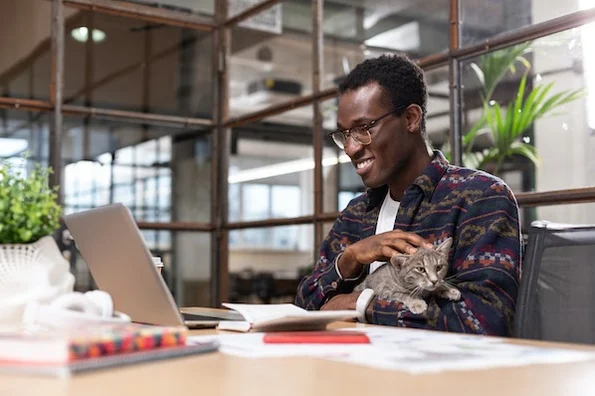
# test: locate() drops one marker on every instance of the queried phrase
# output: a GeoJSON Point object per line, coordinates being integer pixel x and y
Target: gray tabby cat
{"type": "Point", "coordinates": [407, 278]}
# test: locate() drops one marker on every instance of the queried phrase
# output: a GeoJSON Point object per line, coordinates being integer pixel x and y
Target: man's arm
{"type": "Point", "coordinates": [325, 282]}
{"type": "Point", "coordinates": [485, 268]}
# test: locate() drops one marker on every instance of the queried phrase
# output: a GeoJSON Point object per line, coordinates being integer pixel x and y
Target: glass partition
{"type": "Point", "coordinates": [271, 169]}
{"type": "Point", "coordinates": [25, 58]}
{"type": "Point", "coordinates": [133, 65]}
{"type": "Point", "coordinates": [261, 272]}
{"type": "Point", "coordinates": [485, 18]}
{"type": "Point", "coordinates": [206, 7]}
{"type": "Point", "coordinates": [271, 64]}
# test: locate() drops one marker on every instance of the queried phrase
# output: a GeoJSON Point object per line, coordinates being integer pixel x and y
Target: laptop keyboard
{"type": "Point", "coordinates": [198, 317]}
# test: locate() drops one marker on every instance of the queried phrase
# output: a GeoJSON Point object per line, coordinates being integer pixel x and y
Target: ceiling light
{"type": "Point", "coordinates": [12, 147]}
{"type": "Point", "coordinates": [283, 168]}
{"type": "Point", "coordinates": [81, 34]}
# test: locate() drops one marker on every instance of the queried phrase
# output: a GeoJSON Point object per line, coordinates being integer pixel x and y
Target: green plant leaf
{"type": "Point", "coordinates": [469, 138]}
{"type": "Point", "coordinates": [478, 73]}
{"type": "Point", "coordinates": [28, 207]}
{"type": "Point", "coordinates": [526, 150]}
{"type": "Point", "coordinates": [495, 65]}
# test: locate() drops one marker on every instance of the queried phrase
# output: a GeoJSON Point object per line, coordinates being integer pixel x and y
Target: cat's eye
{"type": "Point", "coordinates": [422, 270]}
{"type": "Point", "coordinates": [440, 267]}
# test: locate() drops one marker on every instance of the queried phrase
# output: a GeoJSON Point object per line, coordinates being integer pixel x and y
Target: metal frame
{"type": "Point", "coordinates": [455, 78]}
{"type": "Point", "coordinates": [220, 125]}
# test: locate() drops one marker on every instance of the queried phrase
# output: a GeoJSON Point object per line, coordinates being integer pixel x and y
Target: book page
{"type": "Point", "coordinates": [257, 313]}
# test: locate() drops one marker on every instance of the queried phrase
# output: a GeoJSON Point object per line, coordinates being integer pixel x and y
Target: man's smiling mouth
{"type": "Point", "coordinates": [363, 166]}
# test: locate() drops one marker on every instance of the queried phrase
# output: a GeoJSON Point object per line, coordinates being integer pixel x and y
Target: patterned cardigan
{"type": "Point", "coordinates": [477, 209]}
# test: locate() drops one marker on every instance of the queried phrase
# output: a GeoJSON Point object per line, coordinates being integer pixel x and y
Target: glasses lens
{"type": "Point", "coordinates": [339, 139]}
{"type": "Point", "coordinates": [361, 135]}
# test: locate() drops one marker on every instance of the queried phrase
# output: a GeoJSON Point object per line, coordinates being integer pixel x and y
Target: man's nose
{"type": "Point", "coordinates": [352, 146]}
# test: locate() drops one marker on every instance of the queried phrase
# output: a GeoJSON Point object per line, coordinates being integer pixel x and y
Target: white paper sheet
{"type": "Point", "coordinates": [408, 350]}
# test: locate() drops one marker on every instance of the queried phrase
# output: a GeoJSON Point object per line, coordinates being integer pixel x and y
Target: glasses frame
{"type": "Point", "coordinates": [366, 127]}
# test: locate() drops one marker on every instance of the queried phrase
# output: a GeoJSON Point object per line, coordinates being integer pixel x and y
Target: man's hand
{"type": "Point", "coordinates": [379, 247]}
{"type": "Point", "coordinates": [341, 301]}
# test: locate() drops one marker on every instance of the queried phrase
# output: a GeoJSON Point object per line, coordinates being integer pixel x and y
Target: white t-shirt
{"type": "Point", "coordinates": [386, 222]}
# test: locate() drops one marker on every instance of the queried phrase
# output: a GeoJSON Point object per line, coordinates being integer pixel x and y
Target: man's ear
{"type": "Point", "coordinates": [398, 260]}
{"type": "Point", "coordinates": [413, 116]}
{"type": "Point", "coordinates": [445, 246]}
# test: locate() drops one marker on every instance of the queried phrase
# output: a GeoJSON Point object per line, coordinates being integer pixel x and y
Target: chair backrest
{"type": "Point", "coordinates": [556, 299]}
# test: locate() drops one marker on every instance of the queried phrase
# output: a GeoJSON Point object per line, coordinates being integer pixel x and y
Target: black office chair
{"type": "Point", "coordinates": [556, 299]}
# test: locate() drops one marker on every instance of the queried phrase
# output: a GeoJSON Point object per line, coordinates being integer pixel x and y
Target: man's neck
{"type": "Point", "coordinates": [419, 161]}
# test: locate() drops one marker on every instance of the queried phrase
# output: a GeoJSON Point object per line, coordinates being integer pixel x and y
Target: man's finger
{"type": "Point", "coordinates": [402, 246]}
{"type": "Point", "coordinates": [388, 252]}
{"type": "Point", "coordinates": [413, 239]}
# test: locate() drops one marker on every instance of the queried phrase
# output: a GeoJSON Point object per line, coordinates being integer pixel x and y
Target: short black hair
{"type": "Point", "coordinates": [401, 78]}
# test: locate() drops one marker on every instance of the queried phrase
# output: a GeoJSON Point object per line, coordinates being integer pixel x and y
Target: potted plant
{"type": "Point", "coordinates": [507, 124]}
{"type": "Point", "coordinates": [31, 265]}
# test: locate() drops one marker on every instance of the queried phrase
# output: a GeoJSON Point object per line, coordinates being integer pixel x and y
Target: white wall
{"type": "Point", "coordinates": [564, 142]}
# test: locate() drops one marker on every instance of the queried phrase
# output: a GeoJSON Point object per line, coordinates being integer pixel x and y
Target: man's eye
{"type": "Point", "coordinates": [359, 130]}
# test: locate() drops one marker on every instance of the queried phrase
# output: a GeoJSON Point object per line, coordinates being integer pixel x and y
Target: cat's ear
{"type": "Point", "coordinates": [445, 246]}
{"type": "Point", "coordinates": [398, 260]}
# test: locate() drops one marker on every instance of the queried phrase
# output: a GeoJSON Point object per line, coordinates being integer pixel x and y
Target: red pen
{"type": "Point", "coordinates": [316, 337]}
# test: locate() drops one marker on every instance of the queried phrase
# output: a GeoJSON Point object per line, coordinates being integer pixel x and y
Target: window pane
{"type": "Point", "coordinates": [565, 214]}
{"type": "Point", "coordinates": [25, 42]}
{"type": "Point", "coordinates": [24, 133]}
{"type": "Point", "coordinates": [271, 167]}
{"type": "Point", "coordinates": [271, 58]}
{"type": "Point", "coordinates": [269, 271]}
{"type": "Point", "coordinates": [285, 201]}
{"type": "Point", "coordinates": [485, 18]}
{"type": "Point", "coordinates": [256, 198]}
{"type": "Point", "coordinates": [206, 7]}
{"type": "Point", "coordinates": [354, 31]}
{"type": "Point", "coordinates": [140, 176]}
{"type": "Point", "coordinates": [138, 66]}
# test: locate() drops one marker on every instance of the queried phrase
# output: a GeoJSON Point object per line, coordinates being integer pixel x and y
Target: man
{"type": "Point", "coordinates": [414, 198]}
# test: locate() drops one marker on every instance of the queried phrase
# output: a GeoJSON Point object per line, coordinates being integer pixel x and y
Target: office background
{"type": "Point", "coordinates": [208, 119]}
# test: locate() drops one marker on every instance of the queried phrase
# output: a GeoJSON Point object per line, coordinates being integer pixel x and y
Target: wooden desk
{"type": "Point", "coordinates": [218, 374]}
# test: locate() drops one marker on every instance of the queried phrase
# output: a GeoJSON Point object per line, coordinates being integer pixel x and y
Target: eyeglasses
{"type": "Point", "coordinates": [359, 133]}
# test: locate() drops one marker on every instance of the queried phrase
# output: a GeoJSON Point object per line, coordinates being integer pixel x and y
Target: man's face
{"type": "Point", "coordinates": [385, 158]}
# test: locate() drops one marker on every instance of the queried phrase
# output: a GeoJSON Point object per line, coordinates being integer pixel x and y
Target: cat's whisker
{"type": "Point", "coordinates": [415, 291]}
{"type": "Point", "coordinates": [447, 283]}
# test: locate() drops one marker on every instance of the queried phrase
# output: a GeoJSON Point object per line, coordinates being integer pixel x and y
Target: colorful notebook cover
{"type": "Point", "coordinates": [128, 338]}
{"type": "Point", "coordinates": [108, 361]}
{"type": "Point", "coordinates": [63, 346]}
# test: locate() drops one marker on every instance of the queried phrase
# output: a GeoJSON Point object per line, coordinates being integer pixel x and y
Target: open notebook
{"type": "Point", "coordinates": [282, 317]}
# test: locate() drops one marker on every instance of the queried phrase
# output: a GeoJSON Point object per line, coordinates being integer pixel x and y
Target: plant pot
{"type": "Point", "coordinates": [31, 272]}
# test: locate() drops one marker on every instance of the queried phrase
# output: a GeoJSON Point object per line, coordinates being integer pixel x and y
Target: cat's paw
{"type": "Point", "coordinates": [451, 294]}
{"type": "Point", "coordinates": [418, 306]}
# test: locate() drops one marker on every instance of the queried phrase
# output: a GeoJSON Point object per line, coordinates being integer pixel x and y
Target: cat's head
{"type": "Point", "coordinates": [425, 269]}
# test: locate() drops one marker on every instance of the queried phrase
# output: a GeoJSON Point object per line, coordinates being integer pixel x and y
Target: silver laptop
{"type": "Point", "coordinates": [121, 264]}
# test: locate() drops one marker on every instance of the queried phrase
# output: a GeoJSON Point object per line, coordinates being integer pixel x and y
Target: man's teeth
{"type": "Point", "coordinates": [364, 164]}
